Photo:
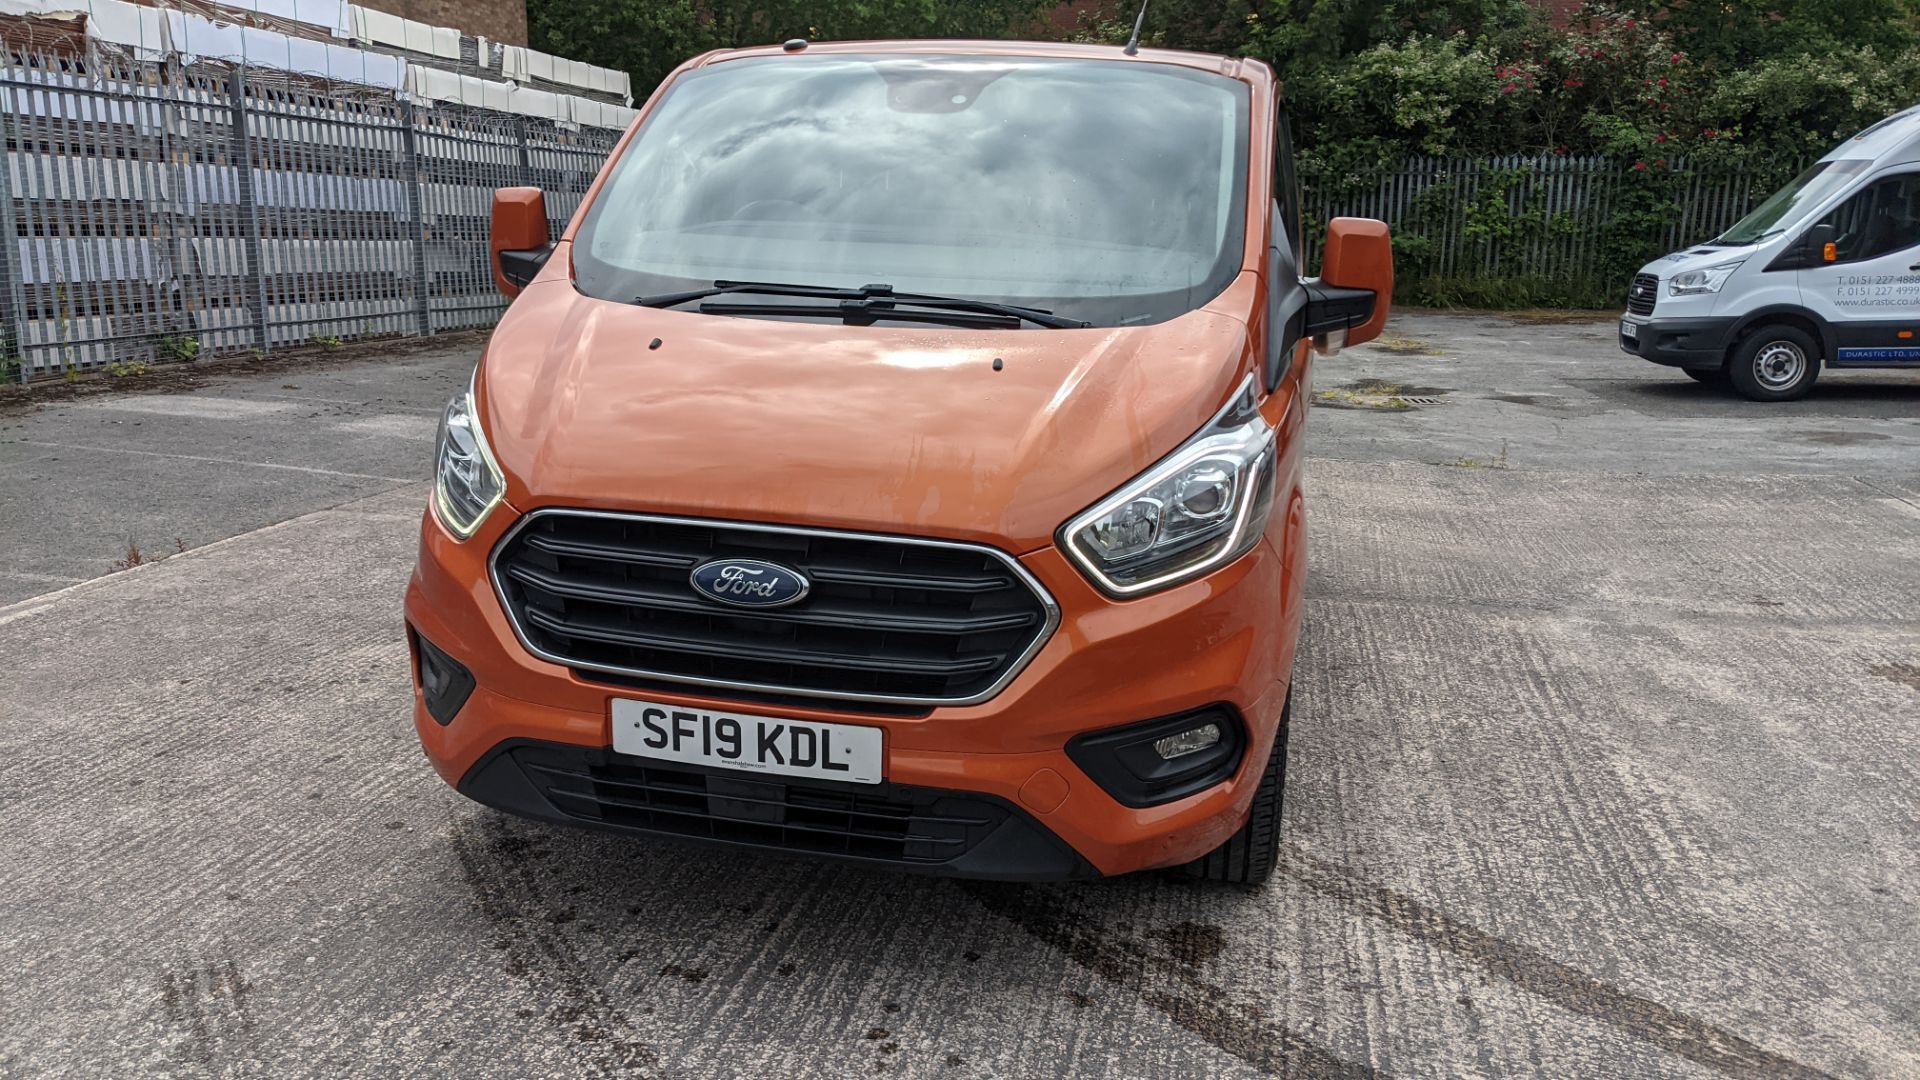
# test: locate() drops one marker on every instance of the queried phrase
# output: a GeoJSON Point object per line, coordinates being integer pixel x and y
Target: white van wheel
{"type": "Point", "coordinates": [1777, 362]}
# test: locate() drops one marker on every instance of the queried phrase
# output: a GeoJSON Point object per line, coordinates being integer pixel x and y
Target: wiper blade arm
{"type": "Point", "coordinates": [866, 312]}
{"type": "Point", "coordinates": [771, 288]}
{"type": "Point", "coordinates": [1038, 316]}
{"type": "Point", "coordinates": [867, 293]}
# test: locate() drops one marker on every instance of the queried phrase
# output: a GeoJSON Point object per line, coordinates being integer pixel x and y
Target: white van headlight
{"type": "Point", "coordinates": [467, 483]}
{"type": "Point", "coordinates": [1694, 282]}
{"type": "Point", "coordinates": [1201, 507]}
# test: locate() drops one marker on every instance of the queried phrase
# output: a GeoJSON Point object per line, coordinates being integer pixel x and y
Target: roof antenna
{"type": "Point", "coordinates": [1133, 43]}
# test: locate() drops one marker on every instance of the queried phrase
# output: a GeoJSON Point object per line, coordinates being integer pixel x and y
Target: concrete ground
{"type": "Point", "coordinates": [1606, 739]}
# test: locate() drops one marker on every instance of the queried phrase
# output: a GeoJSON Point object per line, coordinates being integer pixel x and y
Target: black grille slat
{"type": "Point", "coordinates": [602, 779]}
{"type": "Point", "coordinates": [890, 822]}
{"type": "Point", "coordinates": [912, 581]}
{"type": "Point", "coordinates": [616, 802]}
{"type": "Point", "coordinates": [722, 650]}
{"type": "Point", "coordinates": [609, 553]}
{"type": "Point", "coordinates": [659, 598]}
{"type": "Point", "coordinates": [1643, 294]}
{"type": "Point", "coordinates": [886, 619]}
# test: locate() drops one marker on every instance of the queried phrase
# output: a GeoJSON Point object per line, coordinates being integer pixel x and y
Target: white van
{"type": "Point", "coordinates": [1825, 273]}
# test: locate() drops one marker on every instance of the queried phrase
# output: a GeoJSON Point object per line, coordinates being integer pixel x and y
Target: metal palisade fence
{"type": "Point", "coordinates": [1568, 220]}
{"type": "Point", "coordinates": [163, 211]}
{"type": "Point", "coordinates": [159, 211]}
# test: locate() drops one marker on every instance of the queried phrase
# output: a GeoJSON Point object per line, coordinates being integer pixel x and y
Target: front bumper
{"type": "Point", "coordinates": [1227, 638]}
{"type": "Point", "coordinates": [896, 826]}
{"type": "Point", "coordinates": [1689, 343]}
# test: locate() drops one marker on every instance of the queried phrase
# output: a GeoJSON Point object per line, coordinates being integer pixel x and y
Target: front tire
{"type": "Point", "coordinates": [1776, 362]}
{"type": "Point", "coordinates": [1249, 855]}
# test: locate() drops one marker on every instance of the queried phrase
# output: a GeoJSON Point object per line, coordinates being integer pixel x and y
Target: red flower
{"type": "Point", "coordinates": [1659, 138]}
{"type": "Point", "coordinates": [1639, 166]}
{"type": "Point", "coordinates": [1630, 24]}
{"type": "Point", "coordinates": [1676, 58]}
{"type": "Point", "coordinates": [1662, 163]}
{"type": "Point", "coordinates": [1663, 82]}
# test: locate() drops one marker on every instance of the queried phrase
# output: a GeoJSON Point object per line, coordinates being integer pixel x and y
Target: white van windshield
{"type": "Point", "coordinates": [1106, 192]}
{"type": "Point", "coordinates": [1787, 207]}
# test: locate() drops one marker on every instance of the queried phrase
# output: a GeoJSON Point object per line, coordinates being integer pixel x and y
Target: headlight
{"type": "Point", "coordinates": [1200, 508]}
{"type": "Point", "coordinates": [1695, 282]}
{"type": "Point", "coordinates": [467, 483]}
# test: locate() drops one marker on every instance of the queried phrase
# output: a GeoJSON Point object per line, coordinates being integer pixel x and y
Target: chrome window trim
{"type": "Point", "coordinates": [1021, 573]}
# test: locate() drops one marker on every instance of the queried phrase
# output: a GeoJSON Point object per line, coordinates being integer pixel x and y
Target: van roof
{"type": "Point", "coordinates": [1893, 141]}
{"type": "Point", "coordinates": [1232, 67]}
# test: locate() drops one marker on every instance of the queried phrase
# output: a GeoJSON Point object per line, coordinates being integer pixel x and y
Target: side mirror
{"type": "Point", "coordinates": [1348, 303]}
{"type": "Point", "coordinates": [518, 245]}
{"type": "Point", "coordinates": [1819, 245]}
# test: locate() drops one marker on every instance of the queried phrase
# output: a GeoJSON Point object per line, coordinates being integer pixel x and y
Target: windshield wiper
{"type": "Point", "coordinates": [867, 301]}
{"type": "Point", "coordinates": [868, 312]}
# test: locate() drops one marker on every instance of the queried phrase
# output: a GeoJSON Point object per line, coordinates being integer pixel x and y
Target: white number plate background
{"type": "Point", "coordinates": [762, 744]}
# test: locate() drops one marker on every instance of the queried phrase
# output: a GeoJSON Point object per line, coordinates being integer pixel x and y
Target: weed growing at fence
{"type": "Point", "coordinates": [176, 350]}
{"type": "Point", "coordinates": [325, 341]}
{"type": "Point", "coordinates": [10, 362]}
{"type": "Point", "coordinates": [130, 369]}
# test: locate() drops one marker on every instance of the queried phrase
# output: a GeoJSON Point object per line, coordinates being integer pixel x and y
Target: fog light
{"type": "Point", "coordinates": [1158, 761]}
{"type": "Point", "coordinates": [445, 683]}
{"type": "Point", "coordinates": [1187, 742]}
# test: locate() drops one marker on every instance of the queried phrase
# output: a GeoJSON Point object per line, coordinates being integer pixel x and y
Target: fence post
{"type": "Point", "coordinates": [242, 154]}
{"type": "Point", "coordinates": [13, 305]}
{"type": "Point", "coordinates": [526, 154]}
{"type": "Point", "coordinates": [416, 206]}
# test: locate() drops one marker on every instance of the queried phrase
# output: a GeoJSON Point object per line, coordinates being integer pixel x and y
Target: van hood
{"type": "Point", "coordinates": [1699, 257]}
{"type": "Point", "coordinates": [884, 429]}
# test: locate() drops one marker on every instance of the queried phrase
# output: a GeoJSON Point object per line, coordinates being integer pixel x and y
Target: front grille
{"type": "Point", "coordinates": [1643, 293]}
{"type": "Point", "coordinates": [887, 618]}
{"type": "Point", "coordinates": [891, 822]}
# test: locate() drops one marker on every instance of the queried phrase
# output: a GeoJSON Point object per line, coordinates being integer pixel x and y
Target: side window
{"type": "Point", "coordinates": [1882, 219]}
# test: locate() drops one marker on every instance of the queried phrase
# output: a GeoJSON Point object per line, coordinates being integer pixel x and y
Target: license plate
{"type": "Point", "coordinates": [1629, 330]}
{"type": "Point", "coordinates": [759, 744]}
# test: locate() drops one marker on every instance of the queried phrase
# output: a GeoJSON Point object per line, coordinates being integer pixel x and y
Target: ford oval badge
{"type": "Point", "coordinates": [749, 583]}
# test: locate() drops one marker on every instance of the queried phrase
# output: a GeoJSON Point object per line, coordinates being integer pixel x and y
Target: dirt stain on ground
{"type": "Point", "coordinates": [1163, 982]}
{"type": "Point", "coordinates": [1193, 944]}
{"type": "Point", "coordinates": [1904, 674]}
{"type": "Point", "coordinates": [1841, 438]}
{"type": "Point", "coordinates": [1536, 973]}
{"type": "Point", "coordinates": [211, 1004]}
{"type": "Point", "coordinates": [1545, 401]}
{"type": "Point", "coordinates": [500, 870]}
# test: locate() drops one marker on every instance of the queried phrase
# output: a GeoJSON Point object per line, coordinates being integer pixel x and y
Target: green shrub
{"type": "Point", "coordinates": [177, 350]}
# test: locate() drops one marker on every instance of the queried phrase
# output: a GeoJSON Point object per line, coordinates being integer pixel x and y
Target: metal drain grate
{"type": "Point", "coordinates": [1421, 400]}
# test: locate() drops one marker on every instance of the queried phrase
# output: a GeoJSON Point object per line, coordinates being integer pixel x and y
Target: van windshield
{"type": "Point", "coordinates": [1104, 191]}
{"type": "Point", "coordinates": [1787, 207]}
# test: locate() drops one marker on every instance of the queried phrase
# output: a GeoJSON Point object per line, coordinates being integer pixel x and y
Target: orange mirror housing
{"type": "Point", "coordinates": [1359, 255]}
{"type": "Point", "coordinates": [519, 229]}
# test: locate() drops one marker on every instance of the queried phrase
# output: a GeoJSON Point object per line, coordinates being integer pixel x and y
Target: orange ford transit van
{"type": "Point", "coordinates": [897, 459]}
